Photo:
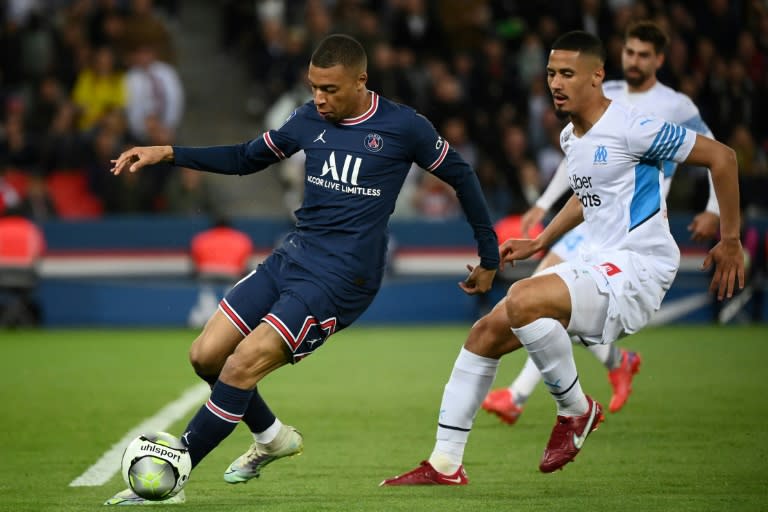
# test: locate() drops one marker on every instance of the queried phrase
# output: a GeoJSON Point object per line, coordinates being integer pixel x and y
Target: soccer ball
{"type": "Point", "coordinates": [156, 466]}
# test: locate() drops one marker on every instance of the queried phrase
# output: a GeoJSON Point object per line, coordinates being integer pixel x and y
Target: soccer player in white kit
{"type": "Point", "coordinates": [614, 156]}
{"type": "Point", "coordinates": [643, 54]}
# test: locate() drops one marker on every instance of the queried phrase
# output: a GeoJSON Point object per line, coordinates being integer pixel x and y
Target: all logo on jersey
{"type": "Point", "coordinates": [439, 143]}
{"type": "Point", "coordinates": [330, 167]}
{"type": "Point", "coordinates": [342, 178]}
{"type": "Point", "coordinates": [601, 156]}
{"type": "Point", "coordinates": [374, 142]}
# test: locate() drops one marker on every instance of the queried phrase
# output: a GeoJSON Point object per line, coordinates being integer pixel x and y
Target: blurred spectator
{"type": "Point", "coordinates": [106, 140]}
{"type": "Point", "coordinates": [530, 181]}
{"type": "Point", "coordinates": [480, 61]}
{"type": "Point", "coordinates": [414, 28]}
{"type": "Point", "coordinates": [549, 155]}
{"type": "Point", "coordinates": [595, 18]}
{"type": "Point", "coordinates": [44, 104]}
{"type": "Point", "coordinates": [531, 60]}
{"type": "Point", "coordinates": [99, 88]}
{"type": "Point", "coordinates": [736, 102]}
{"type": "Point", "coordinates": [188, 194]}
{"type": "Point", "coordinates": [142, 27]}
{"type": "Point", "coordinates": [385, 76]}
{"type": "Point", "coordinates": [220, 256]}
{"type": "Point", "coordinates": [454, 130]}
{"type": "Point", "coordinates": [221, 253]}
{"type": "Point", "coordinates": [155, 103]}
{"type": "Point", "coordinates": [62, 146]}
{"type": "Point", "coordinates": [37, 204]}
{"type": "Point", "coordinates": [9, 195]}
{"type": "Point", "coordinates": [72, 50]}
{"type": "Point", "coordinates": [434, 199]}
{"type": "Point", "coordinates": [513, 162]}
{"type": "Point", "coordinates": [719, 20]}
{"type": "Point", "coordinates": [129, 193]}
{"type": "Point", "coordinates": [16, 145]}
{"type": "Point", "coordinates": [752, 58]}
{"type": "Point", "coordinates": [37, 46]}
{"type": "Point", "coordinates": [447, 99]}
{"type": "Point", "coordinates": [22, 245]}
{"type": "Point", "coordinates": [751, 158]}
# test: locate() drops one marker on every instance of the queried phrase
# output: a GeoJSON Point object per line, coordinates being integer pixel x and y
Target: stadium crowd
{"type": "Point", "coordinates": [80, 80]}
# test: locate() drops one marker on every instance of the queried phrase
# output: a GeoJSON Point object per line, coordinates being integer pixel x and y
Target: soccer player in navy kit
{"type": "Point", "coordinates": [359, 148]}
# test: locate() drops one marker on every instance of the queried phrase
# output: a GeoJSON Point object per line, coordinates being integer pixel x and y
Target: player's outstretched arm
{"type": "Point", "coordinates": [727, 255]}
{"type": "Point", "coordinates": [567, 218]}
{"type": "Point", "coordinates": [141, 156]}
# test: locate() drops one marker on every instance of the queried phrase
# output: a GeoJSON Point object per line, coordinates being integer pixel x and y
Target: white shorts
{"type": "Point", "coordinates": [615, 294]}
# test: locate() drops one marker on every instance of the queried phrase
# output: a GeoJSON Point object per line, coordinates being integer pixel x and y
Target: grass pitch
{"type": "Point", "coordinates": [692, 437]}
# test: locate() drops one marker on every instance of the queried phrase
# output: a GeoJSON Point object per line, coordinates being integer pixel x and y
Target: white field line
{"type": "Point", "coordinates": [109, 463]}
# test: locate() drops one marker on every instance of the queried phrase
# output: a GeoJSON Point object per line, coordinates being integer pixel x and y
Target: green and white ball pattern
{"type": "Point", "coordinates": [156, 466]}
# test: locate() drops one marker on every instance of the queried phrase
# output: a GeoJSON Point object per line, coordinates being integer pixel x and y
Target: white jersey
{"type": "Point", "coordinates": [661, 101]}
{"type": "Point", "coordinates": [664, 102]}
{"type": "Point", "coordinates": [615, 171]}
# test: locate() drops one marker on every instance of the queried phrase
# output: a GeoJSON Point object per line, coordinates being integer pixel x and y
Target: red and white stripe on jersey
{"type": "Point", "coordinates": [434, 165]}
{"type": "Point", "coordinates": [236, 319]}
{"type": "Point", "coordinates": [366, 115]}
{"type": "Point", "coordinates": [221, 413]}
{"type": "Point", "coordinates": [271, 145]}
{"type": "Point", "coordinates": [329, 326]}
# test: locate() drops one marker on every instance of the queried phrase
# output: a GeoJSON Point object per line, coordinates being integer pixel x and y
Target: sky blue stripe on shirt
{"type": "Point", "coordinates": [661, 138]}
{"type": "Point", "coordinates": [668, 143]}
{"type": "Point", "coordinates": [669, 168]}
{"type": "Point", "coordinates": [646, 199]}
{"type": "Point", "coordinates": [655, 142]}
{"type": "Point", "coordinates": [678, 142]}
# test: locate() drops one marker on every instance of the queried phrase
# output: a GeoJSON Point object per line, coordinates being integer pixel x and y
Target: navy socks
{"type": "Point", "coordinates": [216, 419]}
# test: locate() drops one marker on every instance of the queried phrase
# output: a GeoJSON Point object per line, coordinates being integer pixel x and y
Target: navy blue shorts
{"type": "Point", "coordinates": [289, 298]}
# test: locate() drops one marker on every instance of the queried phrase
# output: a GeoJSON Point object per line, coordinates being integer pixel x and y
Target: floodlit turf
{"type": "Point", "coordinates": [693, 436]}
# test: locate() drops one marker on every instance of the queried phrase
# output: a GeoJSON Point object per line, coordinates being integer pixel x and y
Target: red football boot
{"type": "Point", "coordinates": [568, 436]}
{"type": "Point", "coordinates": [425, 474]}
{"type": "Point", "coordinates": [501, 402]}
{"type": "Point", "coordinates": [621, 379]}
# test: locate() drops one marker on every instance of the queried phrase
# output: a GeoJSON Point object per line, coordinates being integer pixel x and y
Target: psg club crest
{"type": "Point", "coordinates": [374, 142]}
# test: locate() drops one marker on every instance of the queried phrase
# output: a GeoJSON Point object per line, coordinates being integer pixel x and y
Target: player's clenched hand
{"type": "Point", "coordinates": [530, 218]}
{"type": "Point", "coordinates": [728, 258]}
{"type": "Point", "coordinates": [479, 280]}
{"type": "Point", "coordinates": [518, 249]}
{"type": "Point", "coordinates": [704, 226]}
{"type": "Point", "coordinates": [138, 157]}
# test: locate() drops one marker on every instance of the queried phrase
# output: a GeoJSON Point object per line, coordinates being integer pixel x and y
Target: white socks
{"type": "Point", "coordinates": [525, 382]}
{"type": "Point", "coordinates": [608, 354]}
{"type": "Point", "coordinates": [549, 346]}
{"type": "Point", "coordinates": [270, 434]}
{"type": "Point", "coordinates": [470, 381]}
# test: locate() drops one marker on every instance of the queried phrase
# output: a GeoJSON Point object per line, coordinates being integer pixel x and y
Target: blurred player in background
{"type": "Point", "coordinates": [643, 55]}
{"type": "Point", "coordinates": [359, 148]}
{"type": "Point", "coordinates": [614, 155]}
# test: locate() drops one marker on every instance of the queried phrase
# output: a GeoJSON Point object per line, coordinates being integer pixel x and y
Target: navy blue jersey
{"type": "Point", "coordinates": [354, 172]}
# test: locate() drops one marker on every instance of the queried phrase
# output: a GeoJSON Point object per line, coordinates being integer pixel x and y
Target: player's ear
{"type": "Point", "coordinates": [362, 79]}
{"type": "Point", "coordinates": [598, 76]}
{"type": "Point", "coordinates": [659, 61]}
